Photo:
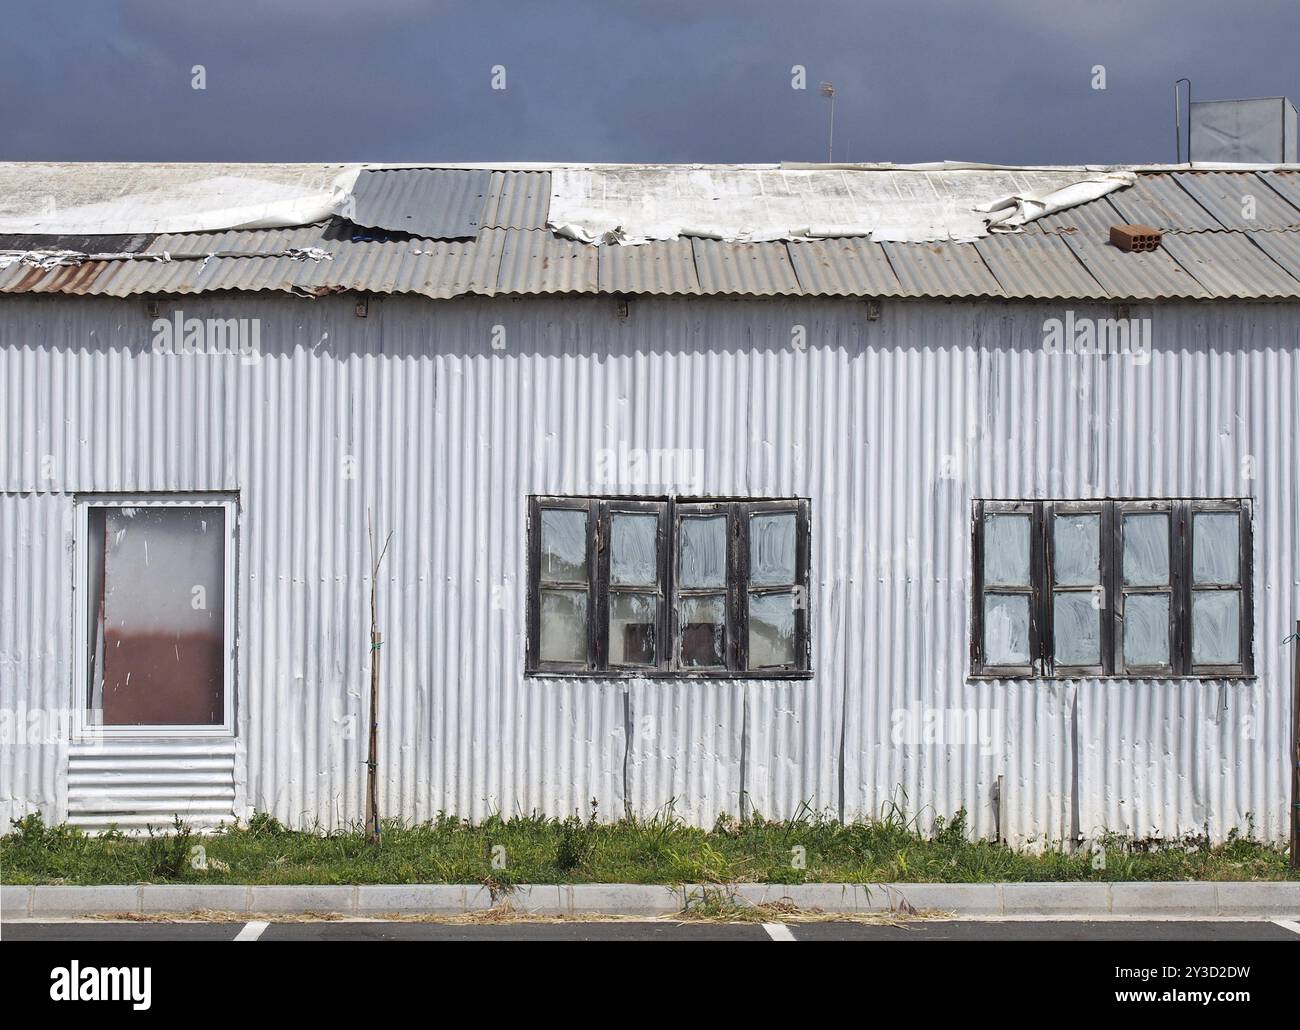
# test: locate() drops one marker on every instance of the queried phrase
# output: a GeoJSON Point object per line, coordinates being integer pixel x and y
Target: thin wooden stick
{"type": "Point", "coordinates": [376, 642]}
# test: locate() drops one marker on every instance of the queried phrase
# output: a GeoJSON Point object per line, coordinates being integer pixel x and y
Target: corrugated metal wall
{"type": "Point", "coordinates": [891, 426]}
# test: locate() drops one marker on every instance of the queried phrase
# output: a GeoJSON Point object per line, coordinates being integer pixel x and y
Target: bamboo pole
{"type": "Point", "coordinates": [376, 642]}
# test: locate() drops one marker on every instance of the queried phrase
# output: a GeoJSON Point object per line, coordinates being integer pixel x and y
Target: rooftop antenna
{"type": "Point", "coordinates": [1178, 123]}
{"type": "Point", "coordinates": [828, 90]}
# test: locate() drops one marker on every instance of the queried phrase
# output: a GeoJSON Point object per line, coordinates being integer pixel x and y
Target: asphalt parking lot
{"type": "Point", "coordinates": [656, 930]}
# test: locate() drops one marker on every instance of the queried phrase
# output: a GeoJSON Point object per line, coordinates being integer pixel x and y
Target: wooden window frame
{"type": "Point", "coordinates": [1033, 590]}
{"type": "Point", "coordinates": [1181, 589]}
{"type": "Point", "coordinates": [670, 510]}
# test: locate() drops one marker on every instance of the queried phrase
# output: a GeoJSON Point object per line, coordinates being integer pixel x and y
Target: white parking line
{"type": "Point", "coordinates": [1288, 924]}
{"type": "Point", "coordinates": [778, 931]}
{"type": "Point", "coordinates": [251, 931]}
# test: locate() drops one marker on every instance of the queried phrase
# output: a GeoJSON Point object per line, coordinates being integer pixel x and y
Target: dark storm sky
{"type": "Point", "coordinates": [405, 80]}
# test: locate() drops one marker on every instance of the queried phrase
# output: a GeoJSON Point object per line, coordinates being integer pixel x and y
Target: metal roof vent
{"type": "Point", "coordinates": [1258, 131]}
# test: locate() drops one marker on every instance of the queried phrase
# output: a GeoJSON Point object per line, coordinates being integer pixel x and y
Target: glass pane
{"type": "Point", "coordinates": [632, 622]}
{"type": "Point", "coordinates": [771, 630]}
{"type": "Point", "coordinates": [1216, 627]}
{"type": "Point", "coordinates": [1006, 629]}
{"type": "Point", "coordinates": [771, 549]}
{"type": "Point", "coordinates": [1076, 550]}
{"type": "Point", "coordinates": [704, 631]}
{"type": "Point", "coordinates": [703, 558]}
{"type": "Point", "coordinates": [564, 545]}
{"type": "Point", "coordinates": [564, 626]}
{"type": "Point", "coordinates": [1216, 541]}
{"type": "Point", "coordinates": [1146, 629]}
{"type": "Point", "coordinates": [158, 641]}
{"type": "Point", "coordinates": [1077, 627]}
{"type": "Point", "coordinates": [1006, 550]}
{"type": "Point", "coordinates": [1146, 549]}
{"type": "Point", "coordinates": [634, 550]}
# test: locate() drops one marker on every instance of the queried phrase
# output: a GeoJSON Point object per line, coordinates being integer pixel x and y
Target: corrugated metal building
{"type": "Point", "coordinates": [198, 515]}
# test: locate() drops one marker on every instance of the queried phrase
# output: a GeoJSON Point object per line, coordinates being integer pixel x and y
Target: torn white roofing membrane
{"type": "Point", "coordinates": [638, 204]}
{"type": "Point", "coordinates": [114, 199]}
{"type": "Point", "coordinates": [627, 204]}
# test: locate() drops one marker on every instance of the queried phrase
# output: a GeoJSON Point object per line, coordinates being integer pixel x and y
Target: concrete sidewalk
{"type": "Point", "coordinates": [1136, 900]}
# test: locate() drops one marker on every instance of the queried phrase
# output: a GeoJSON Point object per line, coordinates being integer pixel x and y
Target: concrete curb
{"type": "Point", "coordinates": [1272, 900]}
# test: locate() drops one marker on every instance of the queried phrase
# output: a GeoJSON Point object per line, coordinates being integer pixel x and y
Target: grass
{"type": "Point", "coordinates": [500, 853]}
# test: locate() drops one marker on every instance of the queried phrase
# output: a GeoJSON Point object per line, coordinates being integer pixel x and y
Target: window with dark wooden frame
{"type": "Point", "coordinates": [1123, 588]}
{"type": "Point", "coordinates": [668, 587]}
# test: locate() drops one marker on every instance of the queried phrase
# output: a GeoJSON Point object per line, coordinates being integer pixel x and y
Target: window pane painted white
{"type": "Point", "coordinates": [564, 626]}
{"type": "Point", "coordinates": [703, 631]}
{"type": "Point", "coordinates": [1146, 549]}
{"type": "Point", "coordinates": [158, 639]}
{"type": "Point", "coordinates": [1216, 540]}
{"type": "Point", "coordinates": [771, 549]}
{"type": "Point", "coordinates": [771, 630]}
{"type": "Point", "coordinates": [1146, 629]}
{"type": "Point", "coordinates": [1006, 550]}
{"type": "Point", "coordinates": [702, 561]}
{"type": "Point", "coordinates": [1077, 629]}
{"type": "Point", "coordinates": [564, 545]}
{"type": "Point", "coordinates": [1076, 547]}
{"type": "Point", "coordinates": [632, 622]}
{"type": "Point", "coordinates": [1006, 629]}
{"type": "Point", "coordinates": [634, 550]}
{"type": "Point", "coordinates": [1216, 621]}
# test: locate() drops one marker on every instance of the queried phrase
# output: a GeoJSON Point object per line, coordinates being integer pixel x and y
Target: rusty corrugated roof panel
{"type": "Point", "coordinates": [1157, 200]}
{"type": "Point", "coordinates": [745, 269]}
{"type": "Point", "coordinates": [665, 267]}
{"type": "Point", "coordinates": [435, 203]}
{"type": "Point", "coordinates": [241, 241]}
{"type": "Point", "coordinates": [1153, 275]}
{"type": "Point", "coordinates": [844, 268]}
{"type": "Point", "coordinates": [518, 200]}
{"type": "Point", "coordinates": [941, 270]}
{"type": "Point", "coordinates": [1239, 200]}
{"type": "Point", "coordinates": [1229, 265]}
{"type": "Point", "coordinates": [1065, 255]}
{"type": "Point", "coordinates": [535, 261]}
{"type": "Point", "coordinates": [1040, 267]}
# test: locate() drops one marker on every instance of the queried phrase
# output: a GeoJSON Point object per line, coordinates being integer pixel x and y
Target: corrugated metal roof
{"type": "Point", "coordinates": [436, 203]}
{"type": "Point", "coordinates": [518, 200]}
{"type": "Point", "coordinates": [1158, 200]}
{"type": "Point", "coordinates": [844, 268]}
{"type": "Point", "coordinates": [1153, 275]}
{"type": "Point", "coordinates": [666, 268]}
{"type": "Point", "coordinates": [1229, 265]}
{"type": "Point", "coordinates": [1094, 218]}
{"type": "Point", "coordinates": [1239, 200]}
{"type": "Point", "coordinates": [1286, 184]}
{"type": "Point", "coordinates": [1037, 266]}
{"type": "Point", "coordinates": [534, 261]}
{"type": "Point", "coordinates": [746, 269]}
{"type": "Point", "coordinates": [240, 241]}
{"type": "Point", "coordinates": [1065, 255]}
{"type": "Point", "coordinates": [1282, 247]}
{"type": "Point", "coordinates": [941, 270]}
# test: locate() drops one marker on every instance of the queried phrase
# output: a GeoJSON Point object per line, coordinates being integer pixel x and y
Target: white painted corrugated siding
{"type": "Point", "coordinates": [889, 426]}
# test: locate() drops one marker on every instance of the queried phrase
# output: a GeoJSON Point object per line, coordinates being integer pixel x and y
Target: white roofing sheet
{"type": "Point", "coordinates": [113, 198]}
{"type": "Point", "coordinates": [637, 204]}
